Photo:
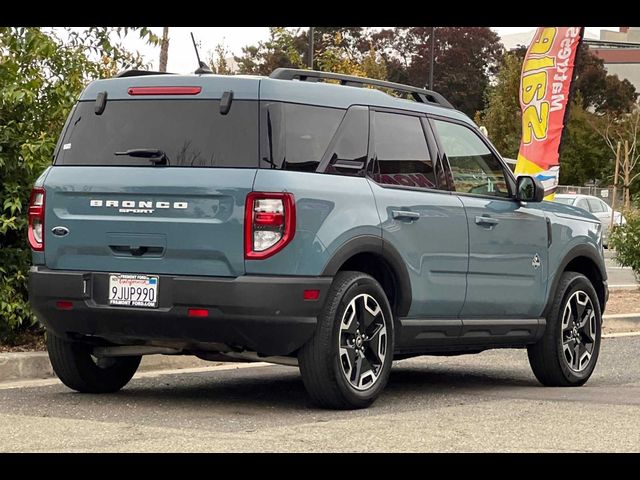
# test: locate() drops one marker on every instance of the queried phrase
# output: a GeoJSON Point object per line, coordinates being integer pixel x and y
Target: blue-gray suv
{"type": "Point", "coordinates": [313, 219]}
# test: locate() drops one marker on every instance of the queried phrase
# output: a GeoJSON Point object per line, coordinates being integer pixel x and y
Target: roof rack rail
{"type": "Point", "coordinates": [419, 94]}
{"type": "Point", "coordinates": [139, 73]}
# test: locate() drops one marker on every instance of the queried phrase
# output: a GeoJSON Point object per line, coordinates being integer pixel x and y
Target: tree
{"type": "Point", "coordinates": [284, 48]}
{"type": "Point", "coordinates": [218, 60]}
{"type": "Point", "coordinates": [41, 77]}
{"type": "Point", "coordinates": [601, 92]}
{"type": "Point", "coordinates": [164, 49]}
{"type": "Point", "coordinates": [584, 156]}
{"type": "Point", "coordinates": [623, 130]}
{"type": "Point", "coordinates": [466, 58]}
{"type": "Point", "coordinates": [502, 117]}
{"type": "Point", "coordinates": [336, 57]}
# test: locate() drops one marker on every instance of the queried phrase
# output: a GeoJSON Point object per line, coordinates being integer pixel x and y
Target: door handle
{"type": "Point", "coordinates": [487, 221]}
{"type": "Point", "coordinates": [405, 215]}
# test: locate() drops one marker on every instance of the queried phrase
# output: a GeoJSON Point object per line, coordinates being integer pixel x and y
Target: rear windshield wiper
{"type": "Point", "coordinates": [155, 156]}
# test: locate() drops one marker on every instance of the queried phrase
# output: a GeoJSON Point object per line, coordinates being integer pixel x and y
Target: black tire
{"type": "Point", "coordinates": [549, 359]}
{"type": "Point", "coordinates": [321, 365]}
{"type": "Point", "coordinates": [76, 368]}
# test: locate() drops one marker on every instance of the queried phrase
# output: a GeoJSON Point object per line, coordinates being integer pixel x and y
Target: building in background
{"type": "Point", "coordinates": [620, 51]}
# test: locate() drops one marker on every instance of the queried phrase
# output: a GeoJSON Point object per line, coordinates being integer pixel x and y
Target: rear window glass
{"type": "Point", "coordinates": [565, 200]}
{"type": "Point", "coordinates": [192, 133]}
{"type": "Point", "coordinates": [295, 137]}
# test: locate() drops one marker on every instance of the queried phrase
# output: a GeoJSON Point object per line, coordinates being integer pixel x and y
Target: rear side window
{"type": "Point", "coordinates": [402, 154]}
{"type": "Point", "coordinates": [348, 154]}
{"type": "Point", "coordinates": [296, 137]}
{"type": "Point", "coordinates": [192, 133]}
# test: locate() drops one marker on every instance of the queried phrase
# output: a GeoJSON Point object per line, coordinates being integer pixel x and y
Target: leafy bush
{"type": "Point", "coordinates": [625, 239]}
{"type": "Point", "coordinates": [41, 76]}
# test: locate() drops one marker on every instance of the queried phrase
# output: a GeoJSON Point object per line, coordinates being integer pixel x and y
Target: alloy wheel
{"type": "Point", "coordinates": [579, 329]}
{"type": "Point", "coordinates": [362, 341]}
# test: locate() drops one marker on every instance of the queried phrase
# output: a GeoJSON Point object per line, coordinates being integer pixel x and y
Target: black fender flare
{"type": "Point", "coordinates": [382, 248]}
{"type": "Point", "coordinates": [583, 250]}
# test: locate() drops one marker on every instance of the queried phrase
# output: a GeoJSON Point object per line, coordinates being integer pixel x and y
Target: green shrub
{"type": "Point", "coordinates": [41, 77]}
{"type": "Point", "coordinates": [625, 239]}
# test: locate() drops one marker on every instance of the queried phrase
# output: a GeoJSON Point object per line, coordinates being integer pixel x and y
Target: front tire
{"type": "Point", "coordinates": [567, 353]}
{"type": "Point", "coordinates": [79, 370]}
{"type": "Point", "coordinates": [347, 362]}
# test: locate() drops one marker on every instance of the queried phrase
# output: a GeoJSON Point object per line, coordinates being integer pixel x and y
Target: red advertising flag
{"type": "Point", "coordinates": [545, 86]}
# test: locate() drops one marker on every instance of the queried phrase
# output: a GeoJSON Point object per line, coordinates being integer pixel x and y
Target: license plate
{"type": "Point", "coordinates": [133, 290]}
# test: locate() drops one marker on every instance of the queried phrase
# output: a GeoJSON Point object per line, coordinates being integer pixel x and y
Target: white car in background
{"type": "Point", "coordinates": [595, 206]}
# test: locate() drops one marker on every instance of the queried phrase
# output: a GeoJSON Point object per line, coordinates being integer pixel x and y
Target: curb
{"type": "Point", "coordinates": [36, 365]}
{"type": "Point", "coordinates": [626, 317]}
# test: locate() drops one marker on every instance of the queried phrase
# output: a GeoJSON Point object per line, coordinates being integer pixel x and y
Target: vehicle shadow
{"type": "Point", "coordinates": [280, 389]}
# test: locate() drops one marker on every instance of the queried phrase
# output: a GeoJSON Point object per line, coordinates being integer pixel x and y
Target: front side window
{"type": "Point", "coordinates": [403, 157]}
{"type": "Point", "coordinates": [475, 169]}
{"type": "Point", "coordinates": [596, 205]}
{"type": "Point", "coordinates": [295, 137]}
{"type": "Point", "coordinates": [582, 203]}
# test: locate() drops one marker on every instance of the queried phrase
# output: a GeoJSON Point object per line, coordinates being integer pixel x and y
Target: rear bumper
{"type": "Point", "coordinates": [258, 313]}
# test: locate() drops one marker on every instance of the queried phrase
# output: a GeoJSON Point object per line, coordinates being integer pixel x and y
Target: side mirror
{"type": "Point", "coordinates": [529, 189]}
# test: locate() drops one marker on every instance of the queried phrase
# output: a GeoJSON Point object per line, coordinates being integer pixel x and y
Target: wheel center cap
{"type": "Point", "coordinates": [358, 341]}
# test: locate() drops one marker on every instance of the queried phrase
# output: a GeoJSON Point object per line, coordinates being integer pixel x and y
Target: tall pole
{"type": "Point", "coordinates": [164, 49]}
{"type": "Point", "coordinates": [627, 168]}
{"type": "Point", "coordinates": [615, 190]}
{"type": "Point", "coordinates": [433, 43]}
{"type": "Point", "coordinates": [310, 55]}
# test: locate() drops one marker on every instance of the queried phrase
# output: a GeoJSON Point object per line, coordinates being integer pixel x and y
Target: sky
{"type": "Point", "coordinates": [182, 58]}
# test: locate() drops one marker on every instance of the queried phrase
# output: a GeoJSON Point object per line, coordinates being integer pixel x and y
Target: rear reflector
{"type": "Point", "coordinates": [164, 90]}
{"type": "Point", "coordinates": [311, 294]}
{"type": "Point", "coordinates": [64, 305]}
{"type": "Point", "coordinates": [198, 312]}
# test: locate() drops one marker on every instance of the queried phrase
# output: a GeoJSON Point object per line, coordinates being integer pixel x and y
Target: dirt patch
{"type": "Point", "coordinates": [623, 301]}
{"type": "Point", "coordinates": [25, 342]}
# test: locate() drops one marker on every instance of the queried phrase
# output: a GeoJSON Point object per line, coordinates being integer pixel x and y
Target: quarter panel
{"type": "Point", "coordinates": [330, 210]}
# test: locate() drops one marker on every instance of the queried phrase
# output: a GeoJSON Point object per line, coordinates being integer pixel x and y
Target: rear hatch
{"type": "Point", "coordinates": [132, 214]}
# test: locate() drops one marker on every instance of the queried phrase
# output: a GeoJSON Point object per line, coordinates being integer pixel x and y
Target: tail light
{"type": "Point", "coordinates": [269, 223]}
{"type": "Point", "coordinates": [36, 219]}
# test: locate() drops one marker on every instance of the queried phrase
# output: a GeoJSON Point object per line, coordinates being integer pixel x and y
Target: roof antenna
{"type": "Point", "coordinates": [202, 67]}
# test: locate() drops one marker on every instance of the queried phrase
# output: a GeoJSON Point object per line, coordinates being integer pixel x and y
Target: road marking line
{"type": "Point", "coordinates": [621, 334]}
{"type": "Point", "coordinates": [620, 315]}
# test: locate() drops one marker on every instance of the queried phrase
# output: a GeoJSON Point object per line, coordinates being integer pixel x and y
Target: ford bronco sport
{"type": "Point", "coordinates": [302, 220]}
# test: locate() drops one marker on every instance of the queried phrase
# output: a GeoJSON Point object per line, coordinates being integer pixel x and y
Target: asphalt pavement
{"type": "Point", "coordinates": [485, 402]}
{"type": "Point", "coordinates": [618, 277]}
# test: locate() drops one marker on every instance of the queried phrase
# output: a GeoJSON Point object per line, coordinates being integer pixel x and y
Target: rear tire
{"type": "Point", "coordinates": [79, 370]}
{"type": "Point", "coordinates": [347, 362]}
{"type": "Point", "coordinates": [567, 353]}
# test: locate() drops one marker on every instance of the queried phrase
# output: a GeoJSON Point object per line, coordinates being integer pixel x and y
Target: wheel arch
{"type": "Point", "coordinates": [585, 260]}
{"type": "Point", "coordinates": [376, 257]}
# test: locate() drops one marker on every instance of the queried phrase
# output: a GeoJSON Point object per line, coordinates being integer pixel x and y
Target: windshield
{"type": "Point", "coordinates": [192, 133]}
{"type": "Point", "coordinates": [565, 200]}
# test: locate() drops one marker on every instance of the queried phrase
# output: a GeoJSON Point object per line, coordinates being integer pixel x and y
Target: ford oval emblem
{"type": "Point", "coordinates": [60, 231]}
